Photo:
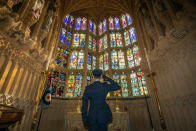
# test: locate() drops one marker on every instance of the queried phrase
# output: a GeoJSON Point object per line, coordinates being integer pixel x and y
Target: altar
{"type": "Point", "coordinates": [120, 122]}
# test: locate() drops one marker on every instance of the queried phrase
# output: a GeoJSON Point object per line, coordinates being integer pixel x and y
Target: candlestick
{"type": "Point", "coordinates": [147, 59]}
{"type": "Point", "coordinates": [49, 58]}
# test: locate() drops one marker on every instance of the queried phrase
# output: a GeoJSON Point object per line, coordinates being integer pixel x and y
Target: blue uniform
{"type": "Point", "coordinates": [99, 112]}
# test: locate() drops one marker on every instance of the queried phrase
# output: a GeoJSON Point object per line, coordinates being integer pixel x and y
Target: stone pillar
{"type": "Point", "coordinates": [13, 76]}
{"type": "Point", "coordinates": [22, 83]}
{"type": "Point", "coordinates": [109, 54]}
{"type": "Point", "coordinates": [127, 72]}
{"type": "Point", "coordinates": [85, 58]}
{"type": "Point", "coordinates": [52, 28]}
{"type": "Point", "coordinates": [2, 60]}
{"type": "Point", "coordinates": [18, 82]}
{"type": "Point", "coordinates": [169, 8]}
{"type": "Point", "coordinates": [153, 18]}
{"type": "Point", "coordinates": [32, 86]}
{"type": "Point", "coordinates": [15, 79]}
{"type": "Point", "coordinates": [34, 90]}
{"type": "Point", "coordinates": [35, 94]}
{"type": "Point", "coordinates": [7, 79]}
{"type": "Point", "coordinates": [27, 83]}
{"type": "Point", "coordinates": [143, 31]}
{"type": "Point", "coordinates": [25, 6]}
{"type": "Point", "coordinates": [4, 73]}
{"type": "Point", "coordinates": [4, 66]}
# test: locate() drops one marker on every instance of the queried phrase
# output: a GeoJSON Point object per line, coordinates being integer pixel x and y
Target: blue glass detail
{"type": "Point", "coordinates": [63, 35]}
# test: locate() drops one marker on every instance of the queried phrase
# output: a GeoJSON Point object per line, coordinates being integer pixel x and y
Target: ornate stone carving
{"type": "Point", "coordinates": [8, 19]}
{"type": "Point", "coordinates": [32, 17]}
{"type": "Point", "coordinates": [149, 25]}
{"type": "Point", "coordinates": [185, 13]}
{"type": "Point", "coordinates": [162, 15]}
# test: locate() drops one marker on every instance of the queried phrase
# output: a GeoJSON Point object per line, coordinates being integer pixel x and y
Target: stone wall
{"type": "Point", "coordinates": [54, 117]}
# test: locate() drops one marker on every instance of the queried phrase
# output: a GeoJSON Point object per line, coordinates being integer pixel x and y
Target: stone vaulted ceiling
{"type": "Point", "coordinates": [97, 9]}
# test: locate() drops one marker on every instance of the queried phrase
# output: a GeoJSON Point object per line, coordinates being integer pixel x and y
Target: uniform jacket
{"type": "Point", "coordinates": [99, 110]}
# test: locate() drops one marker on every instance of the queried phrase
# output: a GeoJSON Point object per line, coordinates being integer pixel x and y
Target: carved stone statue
{"type": "Point", "coordinates": [33, 15]}
{"type": "Point", "coordinates": [39, 54]}
{"type": "Point", "coordinates": [162, 15]}
{"type": "Point", "coordinates": [46, 25]}
{"type": "Point", "coordinates": [149, 25]}
{"type": "Point", "coordinates": [37, 8]}
{"type": "Point", "coordinates": [8, 19]}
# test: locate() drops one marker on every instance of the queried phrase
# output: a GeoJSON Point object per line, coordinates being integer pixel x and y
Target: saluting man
{"type": "Point", "coordinates": [99, 114]}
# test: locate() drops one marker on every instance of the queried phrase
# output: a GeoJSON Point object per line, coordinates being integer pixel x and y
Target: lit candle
{"type": "Point", "coordinates": [147, 59]}
{"type": "Point", "coordinates": [49, 57]}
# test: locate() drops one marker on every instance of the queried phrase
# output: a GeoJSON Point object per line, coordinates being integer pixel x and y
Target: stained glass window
{"type": "Point", "coordinates": [117, 23]}
{"type": "Point", "coordinates": [82, 40]}
{"type": "Point", "coordinates": [74, 60]}
{"type": "Point", "coordinates": [78, 23]}
{"type": "Point", "coordinates": [94, 63]}
{"type": "Point", "coordinates": [130, 58]}
{"type": "Point", "coordinates": [121, 60]}
{"type": "Point", "coordinates": [127, 38]}
{"type": "Point", "coordinates": [129, 19]}
{"type": "Point", "coordinates": [89, 63]}
{"type": "Point", "coordinates": [63, 35]}
{"type": "Point", "coordinates": [118, 61]}
{"type": "Point", "coordinates": [66, 20]}
{"type": "Point", "coordinates": [101, 62]}
{"type": "Point", "coordinates": [68, 38]}
{"type": "Point", "coordinates": [134, 84]}
{"type": "Point", "coordinates": [81, 60]}
{"type": "Point", "coordinates": [111, 23]}
{"type": "Point", "coordinates": [124, 85]}
{"type": "Point", "coordinates": [94, 45]}
{"type": "Point", "coordinates": [84, 23]}
{"type": "Point", "coordinates": [138, 83]}
{"type": "Point", "coordinates": [104, 25]}
{"type": "Point", "coordinates": [56, 80]}
{"type": "Point", "coordinates": [94, 28]}
{"type": "Point", "coordinates": [62, 56]}
{"type": "Point", "coordinates": [116, 40]}
{"type": "Point", "coordinates": [70, 86]}
{"type": "Point", "coordinates": [124, 21]}
{"type": "Point", "coordinates": [105, 43]}
{"type": "Point", "coordinates": [79, 40]}
{"type": "Point", "coordinates": [77, 60]}
{"type": "Point", "coordinates": [133, 57]}
{"type": "Point", "coordinates": [142, 82]}
{"type": "Point", "coordinates": [71, 21]}
{"type": "Point", "coordinates": [76, 40]}
{"type": "Point", "coordinates": [90, 42]}
{"type": "Point", "coordinates": [100, 28]}
{"type": "Point", "coordinates": [101, 45]}
{"type": "Point", "coordinates": [117, 79]}
{"type": "Point", "coordinates": [112, 40]}
{"type": "Point", "coordinates": [106, 61]}
{"type": "Point", "coordinates": [78, 85]}
{"type": "Point", "coordinates": [137, 58]}
{"type": "Point", "coordinates": [132, 34]}
{"type": "Point", "coordinates": [88, 78]}
{"type": "Point", "coordinates": [119, 40]}
{"type": "Point", "coordinates": [90, 25]}
{"type": "Point", "coordinates": [114, 58]}
{"type": "Point", "coordinates": [74, 85]}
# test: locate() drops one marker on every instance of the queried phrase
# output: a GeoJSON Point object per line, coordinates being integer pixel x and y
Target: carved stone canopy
{"type": "Point", "coordinates": [96, 9]}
